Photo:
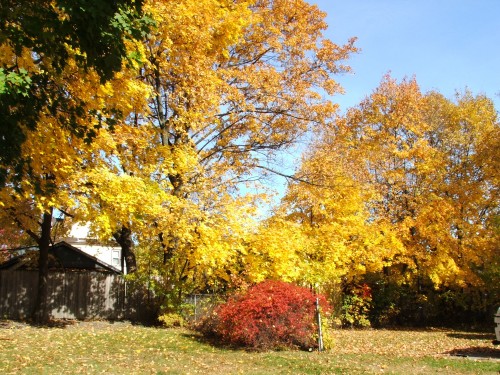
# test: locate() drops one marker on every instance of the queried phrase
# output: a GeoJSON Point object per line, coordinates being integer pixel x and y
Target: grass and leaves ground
{"type": "Point", "coordinates": [122, 348]}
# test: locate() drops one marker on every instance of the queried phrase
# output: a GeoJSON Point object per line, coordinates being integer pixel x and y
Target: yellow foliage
{"type": "Point", "coordinates": [404, 182]}
{"type": "Point", "coordinates": [225, 86]}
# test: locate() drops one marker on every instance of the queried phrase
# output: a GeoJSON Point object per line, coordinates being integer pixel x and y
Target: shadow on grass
{"type": "Point", "coordinates": [476, 352]}
{"type": "Point", "coordinates": [210, 341]}
{"type": "Point", "coordinates": [68, 323]}
{"type": "Point", "coordinates": [471, 336]}
{"type": "Point", "coordinates": [218, 344]}
{"type": "Point", "coordinates": [56, 323]}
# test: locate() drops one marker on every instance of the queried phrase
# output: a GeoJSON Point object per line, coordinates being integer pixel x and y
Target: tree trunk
{"type": "Point", "coordinates": [124, 239]}
{"type": "Point", "coordinates": [40, 312]}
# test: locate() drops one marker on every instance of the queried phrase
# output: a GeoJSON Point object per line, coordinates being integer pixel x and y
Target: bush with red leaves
{"type": "Point", "coordinates": [271, 315]}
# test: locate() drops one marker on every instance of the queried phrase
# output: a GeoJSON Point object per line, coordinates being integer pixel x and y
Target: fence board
{"type": "Point", "coordinates": [74, 295]}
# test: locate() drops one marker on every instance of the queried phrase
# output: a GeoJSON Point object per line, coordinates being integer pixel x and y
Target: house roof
{"type": "Point", "coordinates": [62, 256]}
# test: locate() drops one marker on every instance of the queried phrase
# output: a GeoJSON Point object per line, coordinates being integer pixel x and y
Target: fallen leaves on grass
{"type": "Point", "coordinates": [100, 347]}
{"type": "Point", "coordinates": [411, 343]}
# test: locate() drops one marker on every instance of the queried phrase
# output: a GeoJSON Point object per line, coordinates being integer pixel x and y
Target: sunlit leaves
{"type": "Point", "coordinates": [232, 83]}
{"type": "Point", "coordinates": [162, 148]}
{"type": "Point", "coordinates": [404, 179]}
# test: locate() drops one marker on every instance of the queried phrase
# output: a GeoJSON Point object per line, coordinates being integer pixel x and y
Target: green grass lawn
{"type": "Point", "coordinates": [122, 348]}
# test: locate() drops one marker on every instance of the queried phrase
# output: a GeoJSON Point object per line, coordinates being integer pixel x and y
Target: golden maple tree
{"type": "Point", "coordinates": [59, 146]}
{"type": "Point", "coordinates": [232, 84]}
{"type": "Point", "coordinates": [228, 85]}
{"type": "Point", "coordinates": [405, 182]}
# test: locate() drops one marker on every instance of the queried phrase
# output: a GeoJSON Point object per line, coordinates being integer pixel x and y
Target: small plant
{"type": "Point", "coordinates": [171, 320]}
{"type": "Point", "coordinates": [270, 315]}
{"type": "Point", "coordinates": [356, 306]}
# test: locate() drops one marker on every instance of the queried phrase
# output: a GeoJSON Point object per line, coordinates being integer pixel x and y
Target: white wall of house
{"type": "Point", "coordinates": [79, 238]}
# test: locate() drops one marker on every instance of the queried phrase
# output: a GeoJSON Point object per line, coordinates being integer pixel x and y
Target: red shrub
{"type": "Point", "coordinates": [272, 314]}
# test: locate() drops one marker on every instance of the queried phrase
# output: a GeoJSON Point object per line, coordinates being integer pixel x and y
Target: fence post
{"type": "Point", "coordinates": [195, 310]}
{"type": "Point", "coordinates": [320, 330]}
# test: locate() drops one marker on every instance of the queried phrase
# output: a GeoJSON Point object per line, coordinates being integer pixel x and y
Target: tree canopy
{"type": "Point", "coordinates": [37, 41]}
{"type": "Point", "coordinates": [153, 120]}
{"type": "Point", "coordinates": [405, 182]}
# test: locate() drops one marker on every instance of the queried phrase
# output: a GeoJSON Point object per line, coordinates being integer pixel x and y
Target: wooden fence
{"type": "Point", "coordinates": [75, 295]}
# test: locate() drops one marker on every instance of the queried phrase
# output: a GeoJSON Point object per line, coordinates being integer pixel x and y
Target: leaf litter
{"type": "Point", "coordinates": [112, 348]}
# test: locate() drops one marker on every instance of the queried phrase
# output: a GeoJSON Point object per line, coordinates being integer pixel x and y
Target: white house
{"type": "Point", "coordinates": [79, 238]}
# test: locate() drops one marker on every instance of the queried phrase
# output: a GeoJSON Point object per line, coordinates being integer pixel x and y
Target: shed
{"type": "Point", "coordinates": [62, 257]}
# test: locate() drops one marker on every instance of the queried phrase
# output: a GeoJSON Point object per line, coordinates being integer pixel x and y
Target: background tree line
{"type": "Point", "coordinates": [157, 133]}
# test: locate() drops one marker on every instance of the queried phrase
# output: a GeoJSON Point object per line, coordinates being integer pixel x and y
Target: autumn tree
{"type": "Point", "coordinates": [51, 178]}
{"type": "Point", "coordinates": [407, 181]}
{"type": "Point", "coordinates": [460, 218]}
{"type": "Point", "coordinates": [431, 161]}
{"type": "Point", "coordinates": [57, 61]}
{"type": "Point", "coordinates": [230, 84]}
{"type": "Point", "coordinates": [96, 32]}
{"type": "Point", "coordinates": [233, 84]}
{"type": "Point", "coordinates": [323, 232]}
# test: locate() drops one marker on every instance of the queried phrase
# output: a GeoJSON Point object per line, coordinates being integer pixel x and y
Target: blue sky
{"type": "Point", "coordinates": [447, 45]}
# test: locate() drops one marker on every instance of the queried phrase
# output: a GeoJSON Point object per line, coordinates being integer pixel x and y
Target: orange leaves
{"type": "Point", "coordinates": [402, 180]}
{"type": "Point", "coordinates": [225, 86]}
{"type": "Point", "coordinates": [233, 83]}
